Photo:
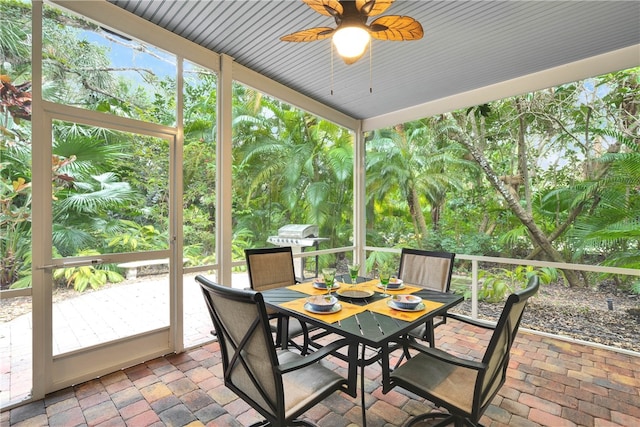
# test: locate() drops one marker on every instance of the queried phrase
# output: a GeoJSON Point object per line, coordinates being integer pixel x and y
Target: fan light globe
{"type": "Point", "coordinates": [351, 42]}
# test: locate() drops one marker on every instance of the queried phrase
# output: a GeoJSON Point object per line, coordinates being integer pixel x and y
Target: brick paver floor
{"type": "Point", "coordinates": [550, 383]}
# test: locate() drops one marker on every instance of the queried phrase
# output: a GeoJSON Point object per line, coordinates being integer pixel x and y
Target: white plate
{"type": "Point", "coordinates": [393, 305]}
{"type": "Point", "coordinates": [355, 293]}
{"type": "Point", "coordinates": [336, 308]}
{"type": "Point", "coordinates": [321, 285]}
{"type": "Point", "coordinates": [397, 288]}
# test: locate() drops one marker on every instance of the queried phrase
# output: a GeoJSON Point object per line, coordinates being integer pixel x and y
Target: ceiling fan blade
{"type": "Point", "coordinates": [372, 7]}
{"type": "Point", "coordinates": [331, 8]}
{"type": "Point", "coordinates": [396, 28]}
{"type": "Point", "coordinates": [309, 35]}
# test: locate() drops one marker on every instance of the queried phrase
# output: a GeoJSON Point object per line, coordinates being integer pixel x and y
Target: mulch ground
{"type": "Point", "coordinates": [578, 313]}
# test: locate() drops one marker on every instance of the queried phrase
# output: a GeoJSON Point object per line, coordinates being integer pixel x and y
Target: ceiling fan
{"type": "Point", "coordinates": [352, 35]}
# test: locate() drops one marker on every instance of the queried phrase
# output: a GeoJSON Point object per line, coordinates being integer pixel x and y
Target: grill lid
{"type": "Point", "coordinates": [298, 230]}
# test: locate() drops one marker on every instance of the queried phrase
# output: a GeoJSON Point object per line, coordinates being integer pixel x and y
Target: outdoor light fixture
{"type": "Point", "coordinates": [351, 42]}
{"type": "Point", "coordinates": [352, 34]}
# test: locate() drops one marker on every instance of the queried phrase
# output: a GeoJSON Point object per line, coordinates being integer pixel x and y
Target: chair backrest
{"type": "Point", "coordinates": [248, 352]}
{"type": "Point", "coordinates": [270, 268]}
{"type": "Point", "coordinates": [428, 269]}
{"type": "Point", "coordinates": [496, 357]}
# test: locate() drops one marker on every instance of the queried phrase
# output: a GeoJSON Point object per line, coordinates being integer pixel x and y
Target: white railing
{"type": "Point", "coordinates": [475, 259]}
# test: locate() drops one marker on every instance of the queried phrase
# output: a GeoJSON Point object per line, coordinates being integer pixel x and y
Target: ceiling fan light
{"type": "Point", "coordinates": [351, 42]}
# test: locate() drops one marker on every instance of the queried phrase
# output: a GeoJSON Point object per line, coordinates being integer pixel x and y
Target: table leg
{"type": "Point", "coordinates": [385, 367]}
{"type": "Point", "coordinates": [283, 323]}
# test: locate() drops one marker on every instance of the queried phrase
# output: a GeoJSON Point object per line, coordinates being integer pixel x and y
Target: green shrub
{"type": "Point", "coordinates": [496, 284]}
{"type": "Point", "coordinates": [94, 276]}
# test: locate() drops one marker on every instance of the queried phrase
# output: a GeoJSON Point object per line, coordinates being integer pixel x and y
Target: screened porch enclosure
{"type": "Point", "coordinates": [198, 156]}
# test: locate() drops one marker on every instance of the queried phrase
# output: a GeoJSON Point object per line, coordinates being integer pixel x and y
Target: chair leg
{"type": "Point", "coordinates": [430, 335]}
{"type": "Point", "coordinates": [297, 422]}
{"type": "Point", "coordinates": [447, 419]}
{"type": "Point", "coordinates": [405, 353]}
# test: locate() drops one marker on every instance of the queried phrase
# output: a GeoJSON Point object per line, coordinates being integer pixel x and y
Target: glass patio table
{"type": "Point", "coordinates": [370, 320]}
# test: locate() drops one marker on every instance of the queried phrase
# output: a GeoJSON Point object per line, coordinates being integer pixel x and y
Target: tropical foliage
{"type": "Point", "coordinates": [291, 167]}
{"type": "Point", "coordinates": [499, 282]}
{"type": "Point", "coordinates": [551, 175]}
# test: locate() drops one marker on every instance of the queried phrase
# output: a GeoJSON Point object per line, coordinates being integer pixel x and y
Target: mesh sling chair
{"type": "Point", "coordinates": [430, 270]}
{"type": "Point", "coordinates": [464, 387]}
{"type": "Point", "coordinates": [279, 384]}
{"type": "Point", "coordinates": [271, 268]}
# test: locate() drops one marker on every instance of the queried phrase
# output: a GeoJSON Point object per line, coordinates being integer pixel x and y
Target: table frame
{"type": "Point", "coordinates": [369, 329]}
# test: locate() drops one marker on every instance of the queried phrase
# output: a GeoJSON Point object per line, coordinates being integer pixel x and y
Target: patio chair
{"type": "Point", "coordinates": [430, 270]}
{"type": "Point", "coordinates": [271, 268]}
{"type": "Point", "coordinates": [279, 384]}
{"type": "Point", "coordinates": [464, 387]}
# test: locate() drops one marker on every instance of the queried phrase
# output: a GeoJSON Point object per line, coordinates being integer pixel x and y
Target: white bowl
{"type": "Point", "coordinates": [321, 302]}
{"type": "Point", "coordinates": [407, 302]}
{"type": "Point", "coordinates": [394, 282]}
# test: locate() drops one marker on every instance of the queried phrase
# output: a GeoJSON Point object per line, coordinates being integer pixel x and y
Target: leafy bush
{"type": "Point", "coordinates": [496, 284]}
{"type": "Point", "coordinates": [136, 237]}
{"type": "Point", "coordinates": [89, 275]}
{"type": "Point", "coordinates": [82, 277]}
{"type": "Point", "coordinates": [376, 260]}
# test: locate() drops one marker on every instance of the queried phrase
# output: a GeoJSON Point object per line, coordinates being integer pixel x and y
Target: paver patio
{"type": "Point", "coordinates": [551, 382]}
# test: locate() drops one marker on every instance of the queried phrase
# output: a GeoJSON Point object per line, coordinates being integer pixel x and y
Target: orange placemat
{"type": "Point", "coordinates": [348, 310]}
{"type": "Point", "coordinates": [307, 288]}
{"type": "Point", "coordinates": [408, 316]}
{"type": "Point", "coordinates": [373, 286]}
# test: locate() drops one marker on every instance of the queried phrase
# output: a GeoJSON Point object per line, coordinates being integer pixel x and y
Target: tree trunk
{"type": "Point", "coordinates": [525, 217]}
{"type": "Point", "coordinates": [415, 209]}
{"type": "Point", "coordinates": [523, 169]}
{"type": "Point", "coordinates": [435, 217]}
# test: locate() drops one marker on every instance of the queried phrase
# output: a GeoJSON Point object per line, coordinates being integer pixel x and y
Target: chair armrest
{"type": "Point", "coordinates": [465, 319]}
{"type": "Point", "coordinates": [448, 357]}
{"type": "Point", "coordinates": [315, 356]}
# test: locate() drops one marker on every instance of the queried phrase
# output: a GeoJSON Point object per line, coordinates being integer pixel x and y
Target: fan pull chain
{"type": "Point", "coordinates": [331, 47]}
{"type": "Point", "coordinates": [370, 66]}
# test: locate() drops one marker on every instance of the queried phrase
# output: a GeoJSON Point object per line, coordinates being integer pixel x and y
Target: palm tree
{"type": "Point", "coordinates": [88, 195]}
{"type": "Point", "coordinates": [418, 162]}
{"type": "Point", "coordinates": [297, 168]}
{"type": "Point", "coordinates": [613, 226]}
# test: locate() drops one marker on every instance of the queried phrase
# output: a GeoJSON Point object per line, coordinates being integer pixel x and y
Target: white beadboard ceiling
{"type": "Point", "coordinates": [467, 45]}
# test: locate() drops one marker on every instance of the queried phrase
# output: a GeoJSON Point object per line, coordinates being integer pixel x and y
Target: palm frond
{"type": "Point", "coordinates": [110, 195]}
{"type": "Point", "coordinates": [67, 238]}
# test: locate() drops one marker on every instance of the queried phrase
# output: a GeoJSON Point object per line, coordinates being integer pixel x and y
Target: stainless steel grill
{"type": "Point", "coordinates": [299, 237]}
{"type": "Point", "coordinates": [302, 235]}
